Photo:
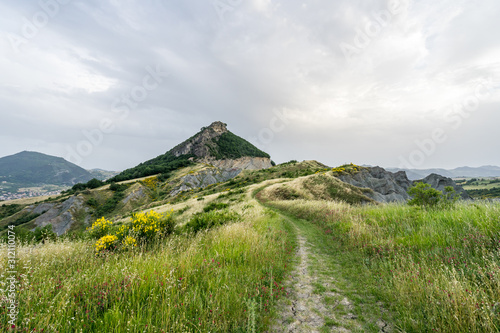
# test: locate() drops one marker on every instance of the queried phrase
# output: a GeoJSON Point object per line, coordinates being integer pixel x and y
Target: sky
{"type": "Point", "coordinates": [112, 83]}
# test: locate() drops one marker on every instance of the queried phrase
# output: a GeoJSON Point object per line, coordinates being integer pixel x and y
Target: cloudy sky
{"type": "Point", "coordinates": [111, 83]}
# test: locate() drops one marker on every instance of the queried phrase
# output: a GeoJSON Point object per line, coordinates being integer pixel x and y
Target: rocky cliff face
{"type": "Point", "coordinates": [243, 163]}
{"type": "Point", "coordinates": [60, 215]}
{"type": "Point", "coordinates": [391, 187]}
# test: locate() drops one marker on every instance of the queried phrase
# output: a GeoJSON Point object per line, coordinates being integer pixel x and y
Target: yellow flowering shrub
{"type": "Point", "coordinates": [144, 226]}
{"type": "Point", "coordinates": [347, 168]}
{"type": "Point", "coordinates": [151, 182]}
{"type": "Point", "coordinates": [104, 243]}
{"type": "Point", "coordinates": [129, 242]}
{"type": "Point", "coordinates": [99, 228]}
{"type": "Point", "coordinates": [150, 224]}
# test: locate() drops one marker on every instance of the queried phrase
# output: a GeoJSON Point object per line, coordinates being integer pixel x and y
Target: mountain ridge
{"type": "Point", "coordinates": [459, 172]}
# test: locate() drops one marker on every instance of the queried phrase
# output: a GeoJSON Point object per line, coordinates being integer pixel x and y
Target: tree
{"type": "Point", "coordinates": [424, 195]}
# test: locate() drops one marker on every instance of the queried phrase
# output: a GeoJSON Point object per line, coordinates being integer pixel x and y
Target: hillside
{"type": "Point", "coordinates": [293, 234]}
{"type": "Point", "coordinates": [31, 168]}
{"type": "Point", "coordinates": [213, 145]}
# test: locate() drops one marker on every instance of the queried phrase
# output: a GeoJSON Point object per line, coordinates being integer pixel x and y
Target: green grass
{"type": "Point", "coordinates": [186, 283]}
{"type": "Point", "coordinates": [438, 270]}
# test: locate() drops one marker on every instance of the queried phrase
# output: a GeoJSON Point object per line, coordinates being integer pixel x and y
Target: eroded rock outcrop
{"type": "Point", "coordinates": [391, 187]}
{"type": "Point", "coordinates": [61, 215]}
{"type": "Point", "coordinates": [386, 186]}
{"type": "Point", "coordinates": [243, 163]}
{"type": "Point", "coordinates": [204, 178]}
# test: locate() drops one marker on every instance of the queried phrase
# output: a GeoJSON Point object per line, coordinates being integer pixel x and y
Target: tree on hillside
{"type": "Point", "coordinates": [424, 195]}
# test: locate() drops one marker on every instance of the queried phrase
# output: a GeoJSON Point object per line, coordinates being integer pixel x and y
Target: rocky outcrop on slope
{"type": "Point", "coordinates": [243, 163]}
{"type": "Point", "coordinates": [386, 186]}
{"type": "Point", "coordinates": [204, 178]}
{"type": "Point", "coordinates": [61, 214]}
{"type": "Point", "coordinates": [439, 182]}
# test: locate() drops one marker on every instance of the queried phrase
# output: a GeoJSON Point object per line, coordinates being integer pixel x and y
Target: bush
{"type": "Point", "coordinates": [144, 227]}
{"type": "Point", "coordinates": [215, 206]}
{"type": "Point", "coordinates": [207, 220]}
{"type": "Point", "coordinates": [99, 228]}
{"type": "Point", "coordinates": [92, 202]}
{"type": "Point", "coordinates": [105, 243]}
{"type": "Point", "coordinates": [42, 234]}
{"type": "Point", "coordinates": [151, 224]}
{"type": "Point", "coordinates": [424, 195]}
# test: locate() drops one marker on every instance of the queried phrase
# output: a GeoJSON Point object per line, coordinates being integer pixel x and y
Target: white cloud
{"type": "Point", "coordinates": [262, 56]}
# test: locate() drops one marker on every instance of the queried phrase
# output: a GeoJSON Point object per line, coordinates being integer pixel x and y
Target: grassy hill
{"type": "Point", "coordinates": [31, 168]}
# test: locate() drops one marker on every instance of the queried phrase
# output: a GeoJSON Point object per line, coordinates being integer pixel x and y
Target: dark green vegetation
{"type": "Point", "coordinates": [424, 195]}
{"type": "Point", "coordinates": [162, 164]}
{"type": "Point", "coordinates": [31, 168]}
{"type": "Point", "coordinates": [231, 146]}
{"type": "Point", "coordinates": [19, 219]}
{"type": "Point", "coordinates": [110, 204]}
{"type": "Point", "coordinates": [8, 210]}
{"type": "Point", "coordinates": [210, 219]}
{"type": "Point", "coordinates": [485, 193]}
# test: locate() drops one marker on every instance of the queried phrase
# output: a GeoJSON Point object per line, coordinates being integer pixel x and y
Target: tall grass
{"type": "Point", "coordinates": [440, 269]}
{"type": "Point", "coordinates": [187, 283]}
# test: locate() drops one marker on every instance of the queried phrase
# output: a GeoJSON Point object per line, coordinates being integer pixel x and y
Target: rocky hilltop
{"type": "Point", "coordinates": [199, 145]}
{"type": "Point", "coordinates": [219, 147]}
{"type": "Point", "coordinates": [214, 145]}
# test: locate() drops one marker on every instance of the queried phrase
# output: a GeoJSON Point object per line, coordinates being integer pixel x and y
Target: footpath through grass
{"type": "Point", "coordinates": [344, 293]}
{"type": "Point", "coordinates": [222, 280]}
{"type": "Point", "coordinates": [438, 270]}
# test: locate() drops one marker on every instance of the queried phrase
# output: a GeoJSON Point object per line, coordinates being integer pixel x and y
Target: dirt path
{"type": "Point", "coordinates": [315, 303]}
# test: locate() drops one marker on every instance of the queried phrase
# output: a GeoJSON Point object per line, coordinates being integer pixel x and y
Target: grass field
{"type": "Point", "coordinates": [221, 280]}
{"type": "Point", "coordinates": [438, 269]}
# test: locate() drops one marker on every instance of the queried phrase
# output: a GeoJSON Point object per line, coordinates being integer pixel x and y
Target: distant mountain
{"type": "Point", "coordinates": [102, 174]}
{"type": "Point", "coordinates": [467, 172]}
{"type": "Point", "coordinates": [32, 168]}
{"type": "Point", "coordinates": [214, 145]}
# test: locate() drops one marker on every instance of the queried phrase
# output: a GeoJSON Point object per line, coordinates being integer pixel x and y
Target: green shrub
{"type": "Point", "coordinates": [424, 195]}
{"type": "Point", "coordinates": [92, 202]}
{"type": "Point", "coordinates": [215, 206]}
{"type": "Point", "coordinates": [42, 234]}
{"type": "Point", "coordinates": [207, 220]}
